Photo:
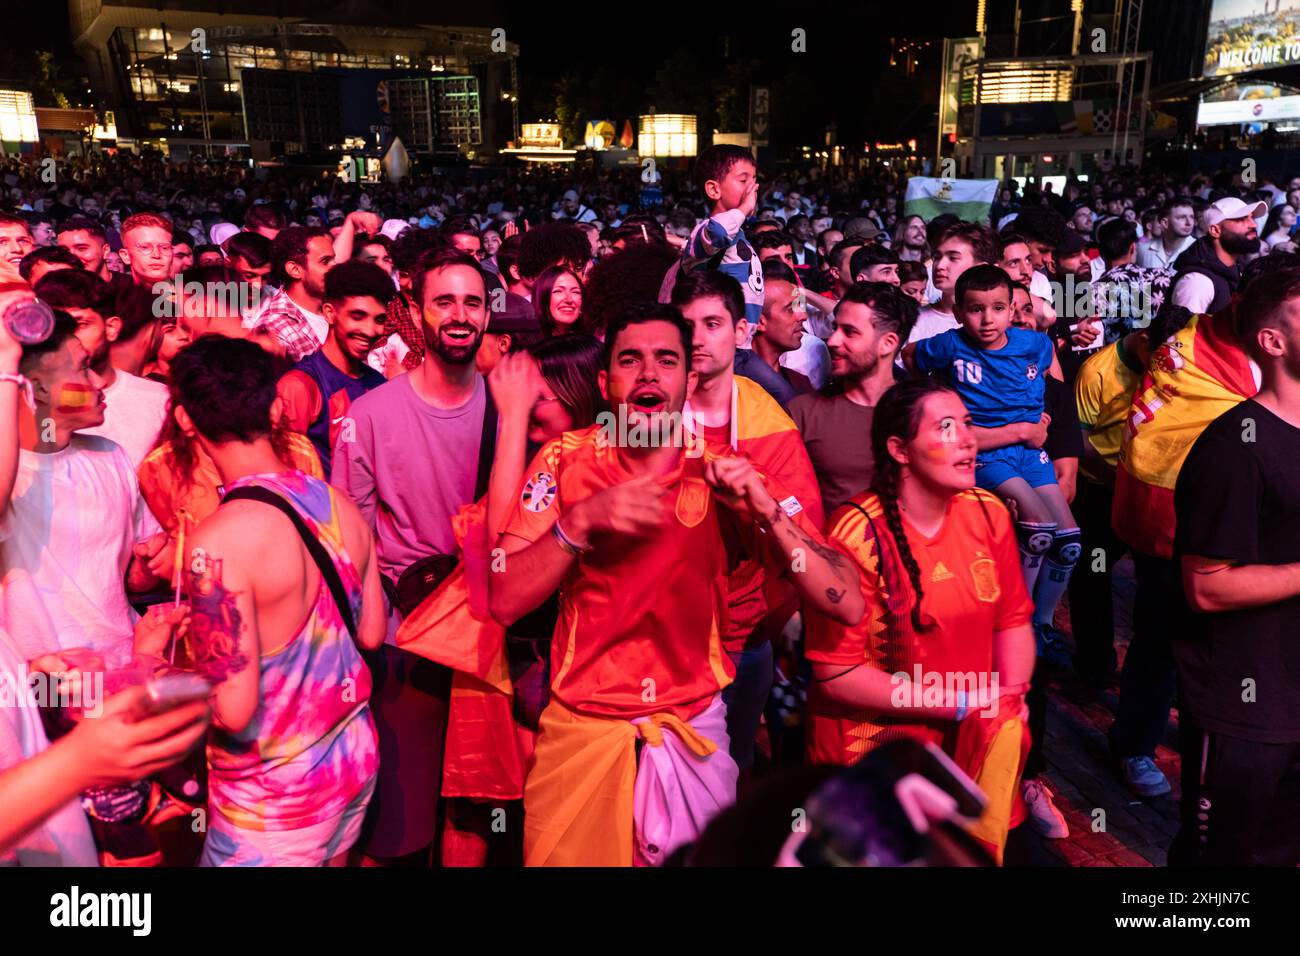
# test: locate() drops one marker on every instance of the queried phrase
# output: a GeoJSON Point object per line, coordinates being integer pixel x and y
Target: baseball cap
{"type": "Point", "coordinates": [571, 194]}
{"type": "Point", "coordinates": [1232, 208]}
{"type": "Point", "coordinates": [517, 316]}
{"type": "Point", "coordinates": [1071, 244]}
{"type": "Point", "coordinates": [866, 230]}
{"type": "Point", "coordinates": [392, 228]}
{"type": "Point", "coordinates": [221, 232]}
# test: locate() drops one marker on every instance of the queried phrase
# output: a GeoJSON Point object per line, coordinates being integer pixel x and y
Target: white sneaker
{"type": "Point", "coordinates": [1043, 814]}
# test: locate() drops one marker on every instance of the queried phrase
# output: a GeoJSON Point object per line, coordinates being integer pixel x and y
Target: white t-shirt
{"type": "Point", "coordinates": [134, 413]}
{"type": "Point", "coordinates": [930, 321]}
{"type": "Point", "coordinates": [1152, 254]}
{"type": "Point", "coordinates": [64, 838]}
{"type": "Point", "coordinates": [65, 542]}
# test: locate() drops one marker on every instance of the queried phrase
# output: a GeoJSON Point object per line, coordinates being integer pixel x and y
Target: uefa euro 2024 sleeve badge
{"type": "Point", "coordinates": [539, 492]}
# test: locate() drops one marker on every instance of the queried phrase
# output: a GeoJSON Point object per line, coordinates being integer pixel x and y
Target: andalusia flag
{"type": "Point", "coordinates": [1197, 375]}
{"type": "Point", "coordinates": [970, 199]}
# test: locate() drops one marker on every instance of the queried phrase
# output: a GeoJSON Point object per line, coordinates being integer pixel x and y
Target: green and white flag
{"type": "Point", "coordinates": [970, 199]}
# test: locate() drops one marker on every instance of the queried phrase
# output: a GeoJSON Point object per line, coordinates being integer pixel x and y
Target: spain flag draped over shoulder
{"type": "Point", "coordinates": [1194, 377]}
{"type": "Point", "coordinates": [487, 750]}
{"type": "Point", "coordinates": [765, 434]}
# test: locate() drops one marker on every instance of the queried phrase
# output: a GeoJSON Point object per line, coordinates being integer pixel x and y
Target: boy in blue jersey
{"type": "Point", "coordinates": [998, 370]}
{"type": "Point", "coordinates": [730, 181]}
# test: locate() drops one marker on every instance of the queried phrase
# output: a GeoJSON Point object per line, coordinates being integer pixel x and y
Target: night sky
{"type": "Point", "coordinates": [615, 62]}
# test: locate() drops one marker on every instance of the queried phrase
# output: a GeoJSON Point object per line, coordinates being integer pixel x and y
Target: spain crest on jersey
{"type": "Point", "coordinates": [692, 501]}
{"type": "Point", "coordinates": [984, 575]}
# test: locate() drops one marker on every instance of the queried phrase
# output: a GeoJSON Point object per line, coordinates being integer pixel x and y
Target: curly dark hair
{"type": "Point", "coordinates": [633, 274]}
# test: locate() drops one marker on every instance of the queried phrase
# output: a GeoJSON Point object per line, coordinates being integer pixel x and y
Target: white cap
{"type": "Point", "coordinates": [221, 232]}
{"type": "Point", "coordinates": [392, 228]}
{"type": "Point", "coordinates": [239, 192]}
{"type": "Point", "coordinates": [571, 194]}
{"type": "Point", "coordinates": [1230, 208]}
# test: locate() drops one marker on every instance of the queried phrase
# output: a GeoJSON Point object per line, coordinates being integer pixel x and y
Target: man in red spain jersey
{"type": "Point", "coordinates": [629, 530]}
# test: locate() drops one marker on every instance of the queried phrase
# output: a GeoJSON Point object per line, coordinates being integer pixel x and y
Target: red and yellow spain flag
{"type": "Point", "coordinates": [487, 750]}
{"type": "Point", "coordinates": [765, 434]}
{"type": "Point", "coordinates": [1194, 377]}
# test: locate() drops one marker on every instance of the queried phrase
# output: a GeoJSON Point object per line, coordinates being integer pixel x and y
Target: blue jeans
{"type": "Point", "coordinates": [745, 698]}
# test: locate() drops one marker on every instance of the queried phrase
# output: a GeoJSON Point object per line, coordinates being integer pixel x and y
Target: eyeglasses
{"type": "Point", "coordinates": [149, 248]}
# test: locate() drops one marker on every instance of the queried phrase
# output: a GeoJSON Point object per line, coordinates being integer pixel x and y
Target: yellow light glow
{"type": "Point", "coordinates": [17, 117]}
{"type": "Point", "coordinates": [667, 134]}
{"type": "Point", "coordinates": [540, 135]}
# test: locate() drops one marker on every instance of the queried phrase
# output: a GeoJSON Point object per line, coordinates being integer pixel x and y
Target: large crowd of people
{"type": "Point", "coordinates": [548, 517]}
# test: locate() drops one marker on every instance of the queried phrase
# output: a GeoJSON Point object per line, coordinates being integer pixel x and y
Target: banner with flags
{"type": "Point", "coordinates": [971, 199]}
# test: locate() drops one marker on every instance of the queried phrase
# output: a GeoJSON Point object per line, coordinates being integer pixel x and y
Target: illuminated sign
{"type": "Point", "coordinates": [1248, 111]}
{"type": "Point", "coordinates": [1249, 35]}
{"type": "Point", "coordinates": [667, 134]}
{"type": "Point", "coordinates": [17, 117]}
{"type": "Point", "coordinates": [540, 136]}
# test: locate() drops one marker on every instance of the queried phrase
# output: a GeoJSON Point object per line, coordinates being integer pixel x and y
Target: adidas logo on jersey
{"type": "Point", "coordinates": [940, 573]}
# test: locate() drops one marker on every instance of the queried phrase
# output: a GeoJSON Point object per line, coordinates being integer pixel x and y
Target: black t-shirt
{"type": "Point", "coordinates": [1238, 499]}
{"type": "Point", "coordinates": [1064, 437]}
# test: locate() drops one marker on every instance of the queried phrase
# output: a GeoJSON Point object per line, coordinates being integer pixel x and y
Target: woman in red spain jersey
{"type": "Point", "coordinates": [947, 630]}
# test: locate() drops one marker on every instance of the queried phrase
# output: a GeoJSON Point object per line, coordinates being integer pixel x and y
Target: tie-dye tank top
{"type": "Point", "coordinates": [311, 746]}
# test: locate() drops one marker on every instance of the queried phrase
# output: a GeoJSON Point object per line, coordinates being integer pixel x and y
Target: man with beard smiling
{"type": "Point", "coordinates": [1208, 272]}
{"type": "Point", "coordinates": [409, 455]}
{"type": "Point", "coordinates": [871, 322]}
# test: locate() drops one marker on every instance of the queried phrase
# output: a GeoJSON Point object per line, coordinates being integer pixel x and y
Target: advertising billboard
{"type": "Point", "coordinates": [1249, 35]}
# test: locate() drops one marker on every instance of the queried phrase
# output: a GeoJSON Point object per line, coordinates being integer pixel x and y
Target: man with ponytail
{"type": "Point", "coordinates": [945, 651]}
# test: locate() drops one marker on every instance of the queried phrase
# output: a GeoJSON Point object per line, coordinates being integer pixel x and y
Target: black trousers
{"type": "Point", "coordinates": [1092, 606]}
{"type": "Point", "coordinates": [1036, 701]}
{"type": "Point", "coordinates": [410, 702]}
{"type": "Point", "coordinates": [1241, 801]}
{"type": "Point", "coordinates": [1148, 683]}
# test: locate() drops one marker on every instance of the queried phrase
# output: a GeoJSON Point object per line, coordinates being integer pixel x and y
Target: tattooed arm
{"type": "Point", "coordinates": [223, 635]}
{"type": "Point", "coordinates": [826, 579]}
{"type": "Point", "coordinates": [1215, 585]}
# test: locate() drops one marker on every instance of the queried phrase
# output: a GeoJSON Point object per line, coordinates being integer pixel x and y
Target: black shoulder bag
{"type": "Point", "coordinates": [423, 577]}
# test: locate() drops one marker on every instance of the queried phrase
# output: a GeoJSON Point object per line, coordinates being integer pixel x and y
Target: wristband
{"type": "Point", "coordinates": [567, 543]}
{"type": "Point", "coordinates": [24, 387]}
{"type": "Point", "coordinates": [962, 709]}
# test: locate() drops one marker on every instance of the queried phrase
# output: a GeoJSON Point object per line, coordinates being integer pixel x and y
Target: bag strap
{"type": "Point", "coordinates": [487, 444]}
{"type": "Point", "coordinates": [324, 562]}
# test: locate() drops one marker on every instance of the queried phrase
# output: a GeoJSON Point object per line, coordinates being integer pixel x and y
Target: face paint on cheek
{"type": "Point", "coordinates": [937, 452]}
{"type": "Point", "coordinates": [74, 397]}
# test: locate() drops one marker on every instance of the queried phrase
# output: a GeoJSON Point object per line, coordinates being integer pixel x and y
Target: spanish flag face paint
{"type": "Point", "coordinates": [75, 397]}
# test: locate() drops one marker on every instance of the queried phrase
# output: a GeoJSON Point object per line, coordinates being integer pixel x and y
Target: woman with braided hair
{"type": "Point", "coordinates": [945, 651]}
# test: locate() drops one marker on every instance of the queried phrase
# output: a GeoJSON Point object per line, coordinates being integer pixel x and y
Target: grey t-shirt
{"type": "Point", "coordinates": [409, 467]}
{"type": "Point", "coordinates": [837, 433]}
